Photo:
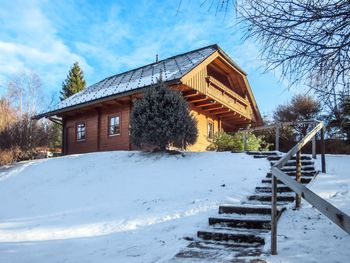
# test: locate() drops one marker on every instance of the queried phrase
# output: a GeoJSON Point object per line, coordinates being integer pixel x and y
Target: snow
{"type": "Point", "coordinates": [116, 206]}
{"type": "Point", "coordinates": [307, 235]}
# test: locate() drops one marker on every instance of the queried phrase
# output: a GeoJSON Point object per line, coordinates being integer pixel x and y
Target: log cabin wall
{"type": "Point", "coordinates": [117, 142]}
{"type": "Point", "coordinates": [202, 125]}
{"type": "Point", "coordinates": [96, 130]}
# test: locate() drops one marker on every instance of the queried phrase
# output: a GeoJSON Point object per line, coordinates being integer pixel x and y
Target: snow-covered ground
{"type": "Point", "coordinates": [116, 206]}
{"type": "Point", "coordinates": [307, 235]}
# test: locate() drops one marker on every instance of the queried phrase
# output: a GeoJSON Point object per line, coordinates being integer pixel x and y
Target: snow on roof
{"type": "Point", "coordinates": [170, 69]}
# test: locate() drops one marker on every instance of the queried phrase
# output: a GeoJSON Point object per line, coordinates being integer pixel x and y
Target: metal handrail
{"type": "Point", "coordinates": [330, 211]}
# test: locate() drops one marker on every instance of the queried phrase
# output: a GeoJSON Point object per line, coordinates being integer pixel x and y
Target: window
{"type": "Point", "coordinates": [114, 125]}
{"type": "Point", "coordinates": [210, 130]}
{"type": "Point", "coordinates": [81, 132]}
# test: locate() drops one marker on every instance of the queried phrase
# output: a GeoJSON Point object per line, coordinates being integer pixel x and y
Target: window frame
{"type": "Point", "coordinates": [77, 132]}
{"type": "Point", "coordinates": [210, 138]}
{"type": "Point", "coordinates": [117, 115]}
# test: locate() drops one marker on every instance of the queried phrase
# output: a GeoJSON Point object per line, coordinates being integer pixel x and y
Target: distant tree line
{"type": "Point", "coordinates": [21, 136]}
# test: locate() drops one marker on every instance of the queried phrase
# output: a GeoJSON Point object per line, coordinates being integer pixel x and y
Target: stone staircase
{"type": "Point", "coordinates": [237, 233]}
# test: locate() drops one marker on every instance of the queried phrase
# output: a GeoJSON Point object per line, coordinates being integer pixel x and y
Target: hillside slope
{"type": "Point", "coordinates": [116, 206]}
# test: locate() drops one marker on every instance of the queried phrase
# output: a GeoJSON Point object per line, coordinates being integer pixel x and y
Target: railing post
{"type": "Point", "coordinates": [277, 137]}
{"type": "Point", "coordinates": [323, 156]}
{"type": "Point", "coordinates": [274, 216]}
{"type": "Point", "coordinates": [298, 178]}
{"type": "Point", "coordinates": [314, 147]}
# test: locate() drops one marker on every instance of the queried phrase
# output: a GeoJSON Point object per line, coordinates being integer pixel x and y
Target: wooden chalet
{"type": "Point", "coordinates": [217, 89]}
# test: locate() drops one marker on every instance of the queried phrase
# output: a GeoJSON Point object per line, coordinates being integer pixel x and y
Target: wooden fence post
{"type": "Point", "coordinates": [298, 178]}
{"type": "Point", "coordinates": [277, 137]}
{"type": "Point", "coordinates": [323, 152]}
{"type": "Point", "coordinates": [314, 147]}
{"type": "Point", "coordinates": [274, 216]}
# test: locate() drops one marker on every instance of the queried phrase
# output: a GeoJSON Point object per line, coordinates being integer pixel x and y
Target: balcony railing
{"type": "Point", "coordinates": [228, 97]}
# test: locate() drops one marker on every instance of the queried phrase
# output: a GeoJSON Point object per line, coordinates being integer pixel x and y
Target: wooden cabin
{"type": "Point", "coordinates": [216, 88]}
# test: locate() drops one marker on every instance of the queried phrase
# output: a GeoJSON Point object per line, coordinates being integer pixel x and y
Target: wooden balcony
{"type": "Point", "coordinates": [227, 97]}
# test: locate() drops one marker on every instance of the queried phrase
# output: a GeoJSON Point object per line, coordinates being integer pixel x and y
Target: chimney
{"type": "Point", "coordinates": [156, 58]}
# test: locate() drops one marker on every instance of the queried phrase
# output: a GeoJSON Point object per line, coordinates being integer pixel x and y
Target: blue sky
{"type": "Point", "coordinates": [108, 37]}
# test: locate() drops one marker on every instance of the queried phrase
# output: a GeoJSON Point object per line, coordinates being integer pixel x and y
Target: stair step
{"type": "Point", "coordinates": [231, 236]}
{"type": "Point", "coordinates": [267, 203]}
{"type": "Point", "coordinates": [227, 209]}
{"type": "Point", "coordinates": [277, 158]}
{"type": "Point", "coordinates": [269, 153]}
{"type": "Point", "coordinates": [293, 163]}
{"type": "Point", "coordinates": [304, 180]}
{"type": "Point", "coordinates": [209, 252]}
{"type": "Point", "coordinates": [284, 198]}
{"type": "Point", "coordinates": [268, 189]}
{"type": "Point", "coordinates": [256, 223]}
{"type": "Point", "coordinates": [304, 168]}
{"type": "Point", "coordinates": [303, 174]}
{"type": "Point", "coordinates": [260, 156]}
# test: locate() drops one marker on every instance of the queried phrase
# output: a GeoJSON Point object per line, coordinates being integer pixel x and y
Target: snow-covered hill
{"type": "Point", "coordinates": [116, 206]}
{"type": "Point", "coordinates": [308, 236]}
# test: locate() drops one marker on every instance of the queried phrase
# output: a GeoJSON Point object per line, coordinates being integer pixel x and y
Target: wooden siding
{"type": "Point", "coordinates": [115, 142]}
{"type": "Point", "coordinates": [202, 125]}
{"type": "Point", "coordinates": [97, 138]}
{"type": "Point", "coordinates": [90, 142]}
{"type": "Point", "coordinates": [219, 80]}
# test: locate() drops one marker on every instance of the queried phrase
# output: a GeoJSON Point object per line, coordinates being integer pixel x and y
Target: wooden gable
{"type": "Point", "coordinates": [219, 82]}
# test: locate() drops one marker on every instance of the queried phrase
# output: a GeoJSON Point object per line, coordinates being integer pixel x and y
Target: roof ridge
{"type": "Point", "coordinates": [215, 46]}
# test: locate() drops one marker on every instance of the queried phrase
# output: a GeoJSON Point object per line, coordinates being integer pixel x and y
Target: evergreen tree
{"type": "Point", "coordinates": [162, 117]}
{"type": "Point", "coordinates": [74, 82]}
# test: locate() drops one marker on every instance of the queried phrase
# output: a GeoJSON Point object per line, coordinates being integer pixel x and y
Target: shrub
{"type": "Point", "coordinates": [9, 156]}
{"type": "Point", "coordinates": [160, 118]}
{"type": "Point", "coordinates": [227, 142]}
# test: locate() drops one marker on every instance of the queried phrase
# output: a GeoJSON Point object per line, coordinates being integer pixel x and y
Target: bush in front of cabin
{"type": "Point", "coordinates": [227, 142]}
{"type": "Point", "coordinates": [161, 118]}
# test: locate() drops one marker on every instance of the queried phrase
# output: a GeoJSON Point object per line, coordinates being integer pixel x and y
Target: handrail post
{"type": "Point", "coordinates": [277, 137]}
{"type": "Point", "coordinates": [274, 216]}
{"type": "Point", "coordinates": [298, 178]}
{"type": "Point", "coordinates": [323, 156]}
{"type": "Point", "coordinates": [314, 147]}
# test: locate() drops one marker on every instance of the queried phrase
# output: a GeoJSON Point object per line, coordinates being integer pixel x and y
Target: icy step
{"type": "Point", "coordinates": [304, 168]}
{"type": "Point", "coordinates": [276, 158]}
{"type": "Point", "coordinates": [245, 209]}
{"type": "Point", "coordinates": [260, 156]}
{"type": "Point", "coordinates": [303, 174]}
{"type": "Point", "coordinates": [304, 180]}
{"type": "Point", "coordinates": [208, 252]}
{"type": "Point", "coordinates": [240, 209]}
{"type": "Point", "coordinates": [269, 153]}
{"type": "Point", "coordinates": [268, 189]}
{"type": "Point", "coordinates": [293, 163]}
{"type": "Point", "coordinates": [262, 197]}
{"type": "Point", "coordinates": [239, 237]}
{"type": "Point", "coordinates": [262, 222]}
{"type": "Point", "coordinates": [267, 203]}
{"type": "Point", "coordinates": [258, 232]}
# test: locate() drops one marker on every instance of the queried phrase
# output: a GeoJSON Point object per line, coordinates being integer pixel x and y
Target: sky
{"type": "Point", "coordinates": [109, 37]}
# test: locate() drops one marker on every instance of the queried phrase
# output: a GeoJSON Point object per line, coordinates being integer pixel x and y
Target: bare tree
{"type": "Point", "coordinates": [309, 40]}
{"type": "Point", "coordinates": [24, 92]}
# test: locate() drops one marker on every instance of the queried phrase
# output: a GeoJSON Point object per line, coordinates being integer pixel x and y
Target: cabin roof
{"type": "Point", "coordinates": [170, 69]}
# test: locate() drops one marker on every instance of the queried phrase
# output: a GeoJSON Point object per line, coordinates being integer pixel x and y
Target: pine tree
{"type": "Point", "coordinates": [74, 82]}
{"type": "Point", "coordinates": [162, 117]}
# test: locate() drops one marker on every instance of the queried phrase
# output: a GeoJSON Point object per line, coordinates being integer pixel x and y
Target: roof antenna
{"type": "Point", "coordinates": [156, 58]}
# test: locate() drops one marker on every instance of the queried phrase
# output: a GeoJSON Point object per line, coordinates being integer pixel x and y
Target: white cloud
{"type": "Point", "coordinates": [28, 40]}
